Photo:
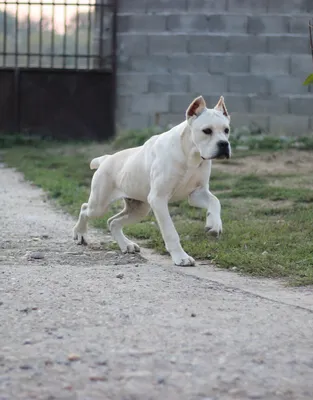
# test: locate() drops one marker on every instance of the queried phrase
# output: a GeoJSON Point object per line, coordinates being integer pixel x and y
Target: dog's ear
{"type": "Point", "coordinates": [196, 107]}
{"type": "Point", "coordinates": [220, 106]}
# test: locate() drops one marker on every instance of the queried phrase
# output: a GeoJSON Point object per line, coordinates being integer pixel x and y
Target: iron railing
{"type": "Point", "coordinates": [67, 34]}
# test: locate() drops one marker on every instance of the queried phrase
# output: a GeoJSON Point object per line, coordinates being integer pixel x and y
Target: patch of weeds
{"type": "Point", "coordinates": [134, 138]}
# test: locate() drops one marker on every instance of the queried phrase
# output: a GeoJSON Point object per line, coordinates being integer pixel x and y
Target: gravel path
{"type": "Point", "coordinates": [86, 324]}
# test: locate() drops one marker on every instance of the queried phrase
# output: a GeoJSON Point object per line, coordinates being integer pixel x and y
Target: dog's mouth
{"type": "Point", "coordinates": [223, 157]}
{"type": "Point", "coordinates": [217, 157]}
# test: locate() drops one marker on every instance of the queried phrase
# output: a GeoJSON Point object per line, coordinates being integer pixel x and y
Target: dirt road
{"type": "Point", "coordinates": [86, 324]}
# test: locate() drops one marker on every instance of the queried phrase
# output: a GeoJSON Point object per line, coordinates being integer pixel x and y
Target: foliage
{"type": "Point", "coordinates": [309, 80]}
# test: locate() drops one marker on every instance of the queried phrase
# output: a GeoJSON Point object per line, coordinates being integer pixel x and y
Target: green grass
{"type": "Point", "coordinates": [267, 228]}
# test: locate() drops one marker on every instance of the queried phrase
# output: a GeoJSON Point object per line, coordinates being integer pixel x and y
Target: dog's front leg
{"type": "Point", "coordinates": [170, 236]}
{"type": "Point", "coordinates": [203, 198]}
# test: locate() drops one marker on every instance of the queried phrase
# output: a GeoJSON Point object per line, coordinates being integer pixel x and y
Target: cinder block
{"type": "Point", "coordinates": [165, 6]}
{"type": "Point", "coordinates": [287, 84]}
{"type": "Point", "coordinates": [207, 23]}
{"type": "Point", "coordinates": [168, 120]}
{"type": "Point", "coordinates": [288, 6]}
{"type": "Point", "coordinates": [207, 43]}
{"type": "Point", "coordinates": [150, 103]}
{"type": "Point", "coordinates": [265, 104]}
{"type": "Point", "coordinates": [132, 83]}
{"type": "Point", "coordinates": [123, 105]}
{"type": "Point", "coordinates": [206, 5]}
{"type": "Point", "coordinates": [205, 83]}
{"type": "Point", "coordinates": [301, 105]}
{"type": "Point", "coordinates": [266, 24]}
{"type": "Point", "coordinates": [261, 121]}
{"type": "Point", "coordinates": [180, 102]}
{"type": "Point", "coordinates": [289, 44]}
{"type": "Point", "coordinates": [152, 64]}
{"type": "Point", "coordinates": [257, 6]}
{"type": "Point", "coordinates": [236, 103]}
{"type": "Point", "coordinates": [228, 23]}
{"type": "Point", "coordinates": [132, 44]}
{"type": "Point", "coordinates": [168, 44]}
{"type": "Point", "coordinates": [188, 64]}
{"type": "Point", "coordinates": [162, 83]}
{"type": "Point", "coordinates": [141, 23]}
{"type": "Point", "coordinates": [249, 84]}
{"type": "Point", "coordinates": [228, 63]}
{"type": "Point", "coordinates": [187, 22]}
{"type": "Point", "coordinates": [125, 6]}
{"type": "Point", "coordinates": [122, 23]}
{"type": "Point", "coordinates": [247, 44]}
{"type": "Point", "coordinates": [299, 24]}
{"type": "Point", "coordinates": [289, 125]}
{"type": "Point", "coordinates": [132, 121]}
{"type": "Point", "coordinates": [269, 64]}
{"type": "Point", "coordinates": [301, 65]}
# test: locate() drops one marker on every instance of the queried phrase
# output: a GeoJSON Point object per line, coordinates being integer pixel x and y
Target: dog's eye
{"type": "Point", "coordinates": [207, 131]}
{"type": "Point", "coordinates": [226, 130]}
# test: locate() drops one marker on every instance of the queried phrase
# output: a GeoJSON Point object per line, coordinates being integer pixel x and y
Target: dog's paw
{"type": "Point", "coordinates": [183, 260]}
{"type": "Point", "coordinates": [213, 225]}
{"type": "Point", "coordinates": [80, 237]}
{"type": "Point", "coordinates": [131, 248]}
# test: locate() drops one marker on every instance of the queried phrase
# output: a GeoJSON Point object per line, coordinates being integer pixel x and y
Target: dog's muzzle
{"type": "Point", "coordinates": [223, 149]}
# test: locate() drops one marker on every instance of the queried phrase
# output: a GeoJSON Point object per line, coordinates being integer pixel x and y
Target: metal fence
{"type": "Point", "coordinates": [58, 67]}
{"type": "Point", "coordinates": [57, 34]}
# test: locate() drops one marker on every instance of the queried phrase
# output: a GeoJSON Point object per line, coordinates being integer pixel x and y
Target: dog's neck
{"type": "Point", "coordinates": [191, 153]}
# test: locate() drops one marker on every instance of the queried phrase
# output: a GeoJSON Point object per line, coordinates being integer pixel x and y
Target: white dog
{"type": "Point", "coordinates": [168, 167]}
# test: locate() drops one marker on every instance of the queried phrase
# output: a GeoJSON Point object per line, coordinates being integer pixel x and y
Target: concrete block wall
{"type": "Point", "coordinates": [254, 52]}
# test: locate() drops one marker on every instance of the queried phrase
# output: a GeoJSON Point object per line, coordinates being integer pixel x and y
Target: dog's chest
{"type": "Point", "coordinates": [188, 182]}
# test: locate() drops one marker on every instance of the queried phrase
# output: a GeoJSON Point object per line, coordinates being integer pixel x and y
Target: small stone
{"type": "Point", "coordinates": [161, 381]}
{"type": "Point", "coordinates": [36, 256]}
{"type": "Point", "coordinates": [25, 366]}
{"type": "Point", "coordinates": [234, 269]}
{"type": "Point", "coordinates": [45, 236]}
{"type": "Point", "coordinates": [73, 357]}
{"type": "Point", "coordinates": [48, 362]}
{"type": "Point", "coordinates": [27, 341]}
{"type": "Point", "coordinates": [120, 275]}
{"type": "Point", "coordinates": [110, 253]}
{"type": "Point", "coordinates": [136, 265]}
{"type": "Point", "coordinates": [102, 362]}
{"type": "Point", "coordinates": [98, 378]}
{"type": "Point", "coordinates": [193, 315]}
{"type": "Point", "coordinates": [25, 310]}
{"type": "Point", "coordinates": [264, 253]}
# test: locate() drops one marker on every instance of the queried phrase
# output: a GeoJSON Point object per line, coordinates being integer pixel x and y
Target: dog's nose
{"type": "Point", "coordinates": [223, 149]}
{"type": "Point", "coordinates": [222, 144]}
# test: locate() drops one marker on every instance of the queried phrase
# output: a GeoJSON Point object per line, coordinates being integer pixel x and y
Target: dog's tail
{"type": "Point", "coordinates": [95, 163]}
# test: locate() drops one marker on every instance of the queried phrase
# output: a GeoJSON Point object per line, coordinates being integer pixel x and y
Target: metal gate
{"type": "Point", "coordinates": [58, 68]}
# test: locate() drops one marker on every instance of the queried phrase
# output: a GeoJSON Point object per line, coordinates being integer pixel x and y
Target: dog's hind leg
{"type": "Point", "coordinates": [99, 200]}
{"type": "Point", "coordinates": [203, 198]}
{"type": "Point", "coordinates": [134, 211]}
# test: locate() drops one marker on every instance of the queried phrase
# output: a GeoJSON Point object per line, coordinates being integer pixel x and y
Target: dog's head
{"type": "Point", "coordinates": [209, 128]}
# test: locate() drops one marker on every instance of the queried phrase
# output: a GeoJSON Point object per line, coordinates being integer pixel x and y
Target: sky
{"type": "Point", "coordinates": [47, 10]}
